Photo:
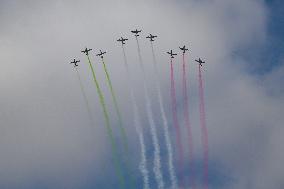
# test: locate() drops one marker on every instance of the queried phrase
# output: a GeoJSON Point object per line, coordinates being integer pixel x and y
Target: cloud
{"type": "Point", "coordinates": [46, 138]}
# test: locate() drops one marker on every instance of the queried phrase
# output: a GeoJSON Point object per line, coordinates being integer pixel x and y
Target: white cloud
{"type": "Point", "coordinates": [44, 127]}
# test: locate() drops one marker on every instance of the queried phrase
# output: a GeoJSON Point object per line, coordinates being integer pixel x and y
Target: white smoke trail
{"type": "Point", "coordinates": [157, 158]}
{"type": "Point", "coordinates": [139, 129]}
{"type": "Point", "coordinates": [143, 163]}
{"type": "Point", "coordinates": [165, 124]}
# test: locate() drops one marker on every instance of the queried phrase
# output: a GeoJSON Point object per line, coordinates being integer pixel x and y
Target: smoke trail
{"type": "Point", "coordinates": [165, 124]}
{"type": "Point", "coordinates": [176, 125]}
{"type": "Point", "coordinates": [204, 130]}
{"type": "Point", "coordinates": [122, 129]}
{"type": "Point", "coordinates": [139, 129]}
{"type": "Point", "coordinates": [157, 158]}
{"type": "Point", "coordinates": [108, 127]}
{"type": "Point", "coordinates": [85, 97]}
{"type": "Point", "coordinates": [143, 163]}
{"type": "Point", "coordinates": [124, 137]}
{"type": "Point", "coordinates": [187, 120]}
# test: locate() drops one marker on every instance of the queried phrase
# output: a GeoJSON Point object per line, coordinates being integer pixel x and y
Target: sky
{"type": "Point", "coordinates": [47, 139]}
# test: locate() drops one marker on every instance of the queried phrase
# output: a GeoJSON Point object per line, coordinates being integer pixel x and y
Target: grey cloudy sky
{"type": "Point", "coordinates": [46, 140]}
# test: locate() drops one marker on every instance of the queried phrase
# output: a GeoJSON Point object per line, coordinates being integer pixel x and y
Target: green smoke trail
{"type": "Point", "coordinates": [122, 129]}
{"type": "Point", "coordinates": [108, 127]}
{"type": "Point", "coordinates": [85, 97]}
{"type": "Point", "coordinates": [116, 107]}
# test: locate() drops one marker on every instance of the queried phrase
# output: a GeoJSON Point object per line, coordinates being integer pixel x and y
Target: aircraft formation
{"type": "Point", "coordinates": [117, 160]}
{"type": "Point", "coordinates": [136, 32]}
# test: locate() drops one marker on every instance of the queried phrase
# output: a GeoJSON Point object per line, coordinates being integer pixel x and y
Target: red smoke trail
{"type": "Point", "coordinates": [204, 131]}
{"type": "Point", "coordinates": [176, 126]}
{"type": "Point", "coordinates": [187, 121]}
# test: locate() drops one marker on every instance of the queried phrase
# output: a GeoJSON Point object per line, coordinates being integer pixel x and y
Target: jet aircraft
{"type": "Point", "coordinates": [151, 37]}
{"type": "Point", "coordinates": [136, 32]}
{"type": "Point", "coordinates": [86, 51]}
{"type": "Point", "coordinates": [122, 40]}
{"type": "Point", "coordinates": [101, 54]}
{"type": "Point", "coordinates": [75, 62]}
{"type": "Point", "coordinates": [200, 62]}
{"type": "Point", "coordinates": [172, 54]}
{"type": "Point", "coordinates": [183, 49]}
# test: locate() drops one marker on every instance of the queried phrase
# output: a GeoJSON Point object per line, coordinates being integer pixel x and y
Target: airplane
{"type": "Point", "coordinates": [101, 54]}
{"type": "Point", "coordinates": [172, 54]}
{"type": "Point", "coordinates": [75, 62]}
{"type": "Point", "coordinates": [183, 49]}
{"type": "Point", "coordinates": [200, 62]}
{"type": "Point", "coordinates": [151, 37]}
{"type": "Point", "coordinates": [136, 32]}
{"type": "Point", "coordinates": [122, 40]}
{"type": "Point", "coordinates": [86, 51]}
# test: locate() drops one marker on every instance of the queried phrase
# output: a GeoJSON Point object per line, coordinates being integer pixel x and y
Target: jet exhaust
{"type": "Point", "coordinates": [143, 162]}
{"type": "Point", "coordinates": [204, 131]}
{"type": "Point", "coordinates": [85, 97]}
{"type": "Point", "coordinates": [117, 163]}
{"type": "Point", "coordinates": [153, 129]}
{"type": "Point", "coordinates": [121, 126]}
{"type": "Point", "coordinates": [187, 121]}
{"type": "Point", "coordinates": [165, 123]}
{"type": "Point", "coordinates": [177, 127]}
